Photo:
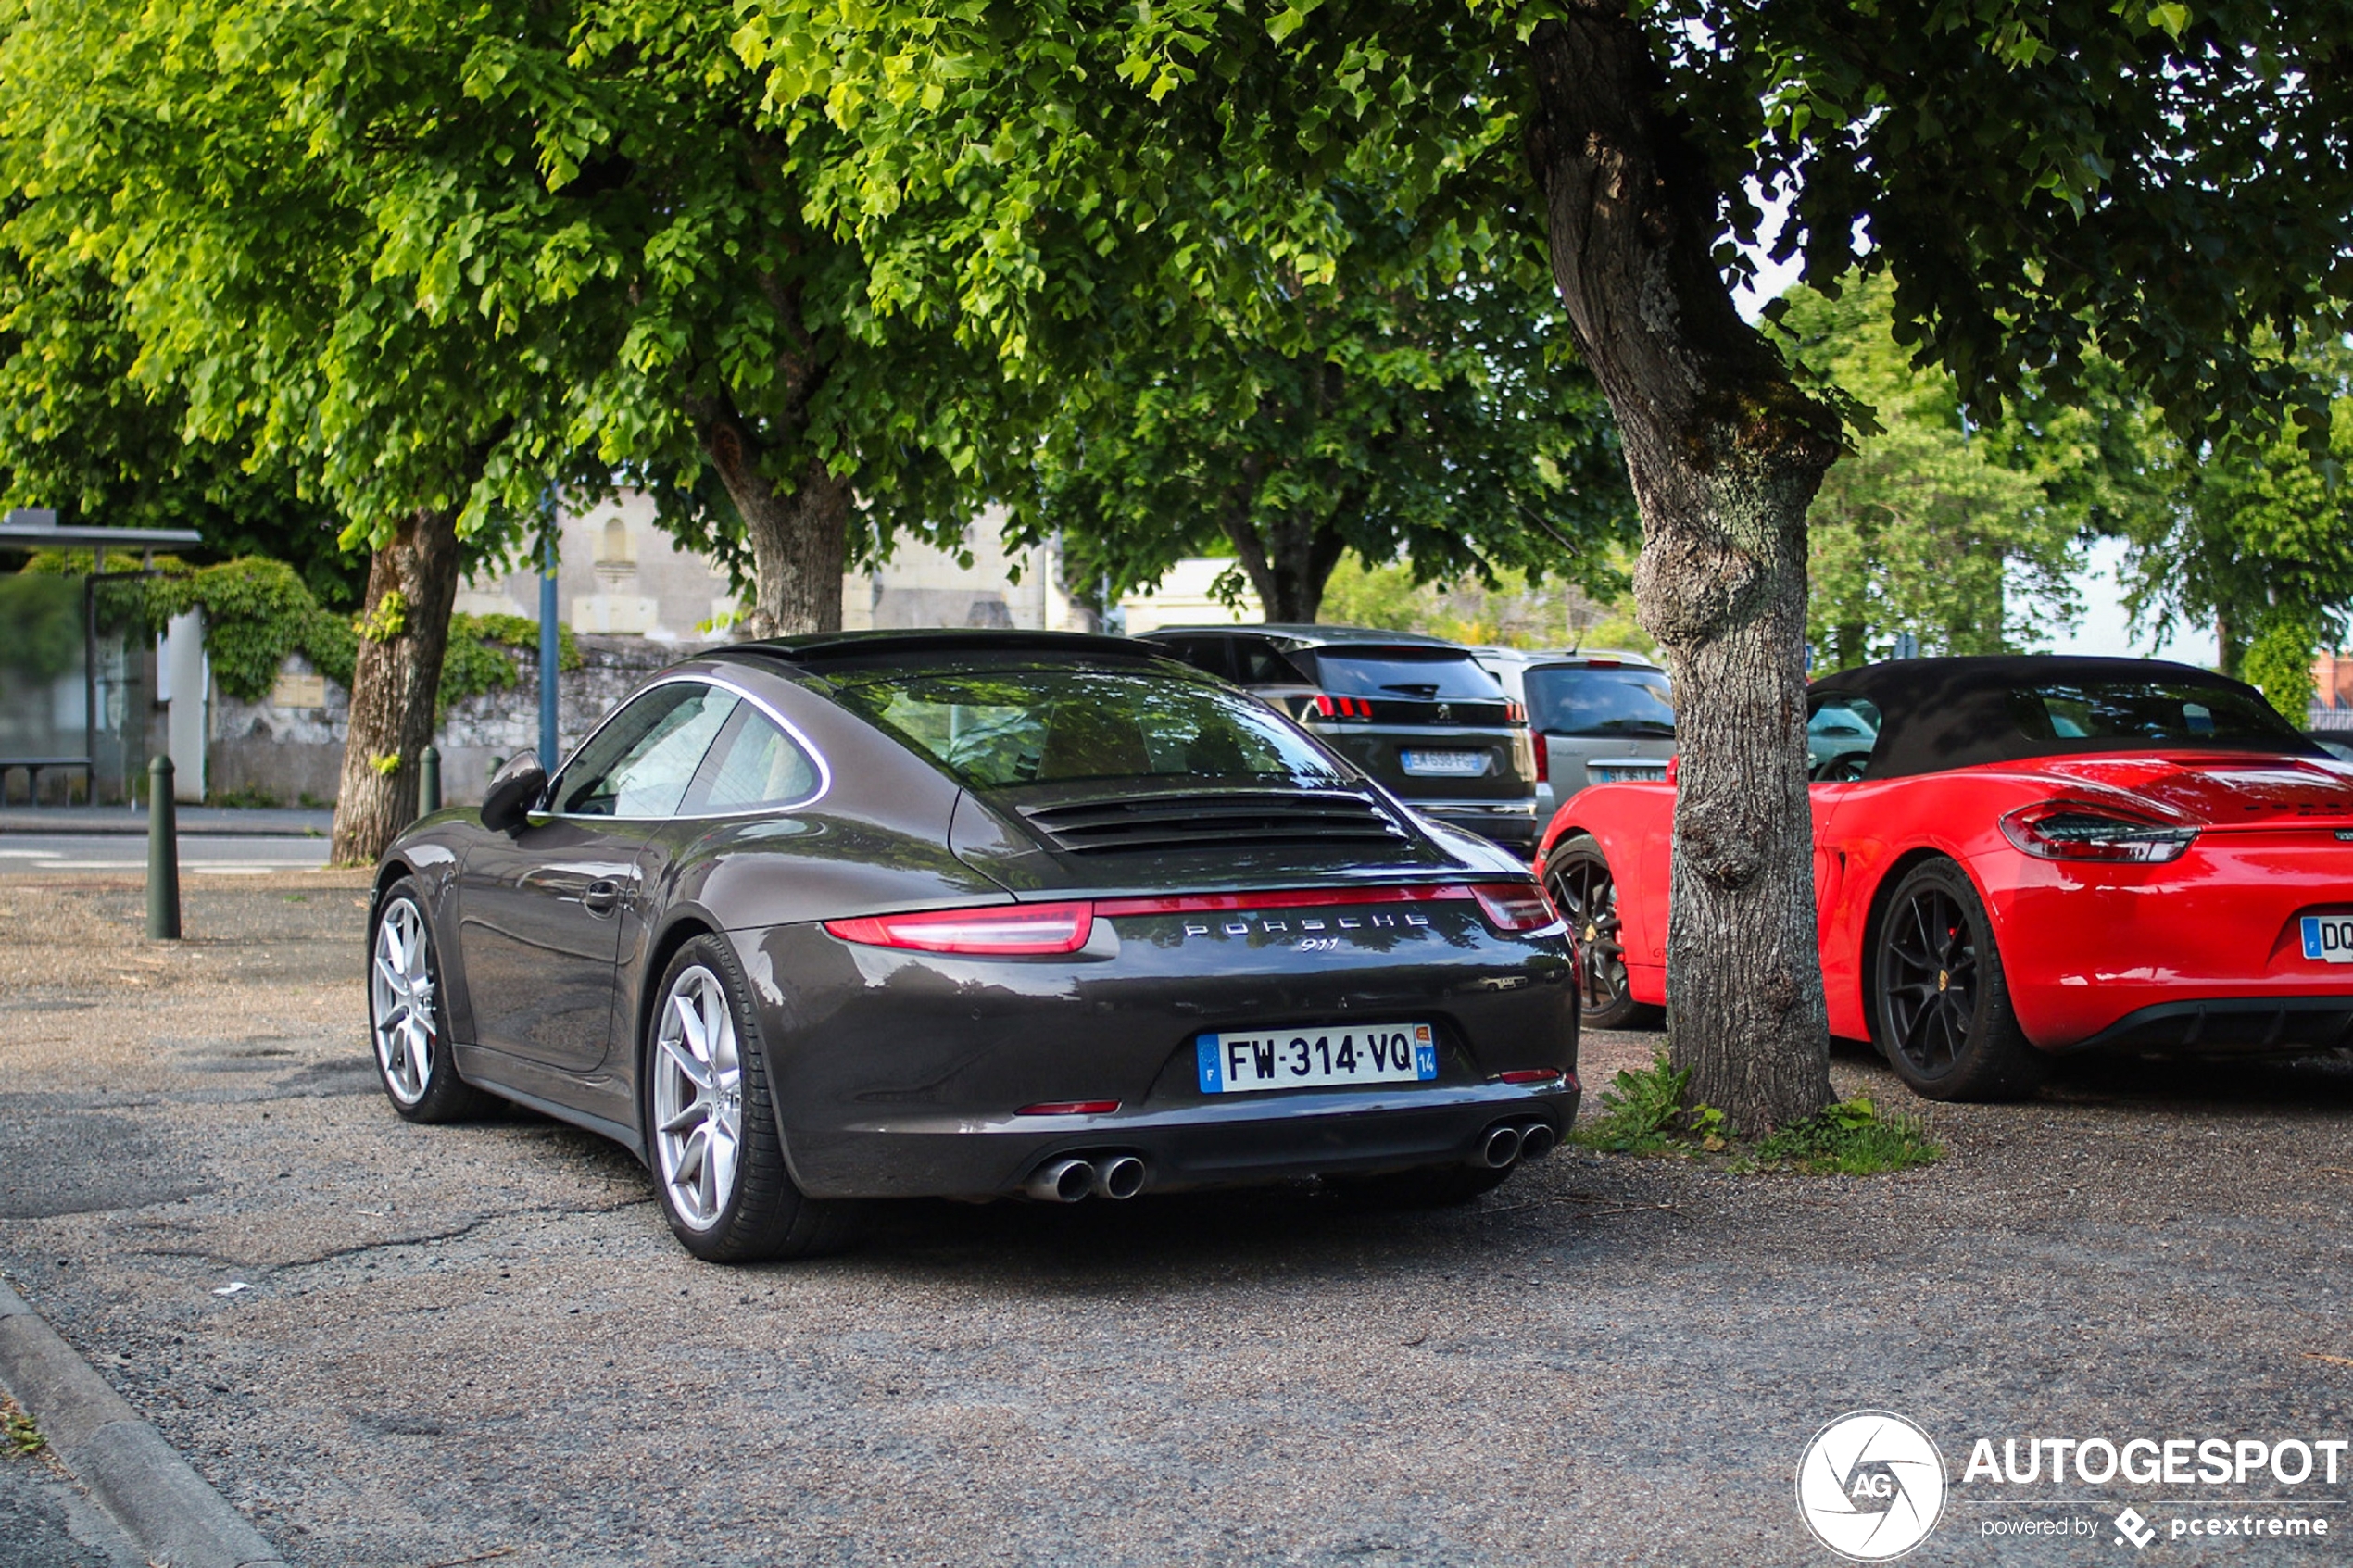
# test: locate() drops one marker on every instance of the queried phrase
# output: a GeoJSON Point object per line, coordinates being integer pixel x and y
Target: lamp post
{"type": "Point", "coordinates": [547, 645]}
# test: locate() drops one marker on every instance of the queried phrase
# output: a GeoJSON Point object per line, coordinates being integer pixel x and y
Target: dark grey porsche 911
{"type": "Point", "coordinates": [971, 914]}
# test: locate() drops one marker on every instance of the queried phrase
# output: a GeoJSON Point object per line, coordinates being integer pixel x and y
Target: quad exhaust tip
{"type": "Point", "coordinates": [1061, 1181]}
{"type": "Point", "coordinates": [1507, 1143]}
{"type": "Point", "coordinates": [1500, 1147]}
{"type": "Point", "coordinates": [1115, 1176]}
{"type": "Point", "coordinates": [1120, 1177]}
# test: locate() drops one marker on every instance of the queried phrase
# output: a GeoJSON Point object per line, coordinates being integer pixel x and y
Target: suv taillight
{"type": "Point", "coordinates": [1327, 707]}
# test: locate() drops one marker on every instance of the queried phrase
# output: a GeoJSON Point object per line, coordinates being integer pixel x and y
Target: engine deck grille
{"type": "Point", "coordinates": [1207, 820]}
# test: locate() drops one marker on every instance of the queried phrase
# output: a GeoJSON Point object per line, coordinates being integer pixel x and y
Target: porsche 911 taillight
{"type": "Point", "coordinates": [2082, 830]}
{"type": "Point", "coordinates": [1004, 929]}
{"type": "Point", "coordinates": [1514, 906]}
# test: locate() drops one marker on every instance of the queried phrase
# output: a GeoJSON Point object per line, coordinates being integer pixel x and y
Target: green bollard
{"type": "Point", "coordinates": [163, 854]}
{"type": "Point", "coordinates": [428, 781]}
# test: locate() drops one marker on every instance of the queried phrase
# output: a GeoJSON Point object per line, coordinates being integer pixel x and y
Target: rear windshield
{"type": "Point", "coordinates": [1574, 701]}
{"type": "Point", "coordinates": [1005, 728]}
{"type": "Point", "coordinates": [2163, 712]}
{"type": "Point", "coordinates": [1430, 674]}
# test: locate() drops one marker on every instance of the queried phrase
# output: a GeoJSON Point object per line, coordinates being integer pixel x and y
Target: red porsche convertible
{"type": "Point", "coordinates": [2021, 857]}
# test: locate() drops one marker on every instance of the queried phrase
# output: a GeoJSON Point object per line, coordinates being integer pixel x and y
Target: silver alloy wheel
{"type": "Point", "coordinates": [402, 1002]}
{"type": "Point", "coordinates": [699, 1099]}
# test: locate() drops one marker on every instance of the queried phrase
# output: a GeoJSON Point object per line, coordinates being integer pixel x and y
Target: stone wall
{"type": "Point", "coordinates": [289, 746]}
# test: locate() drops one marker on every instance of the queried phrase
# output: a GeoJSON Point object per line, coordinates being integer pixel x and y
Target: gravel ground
{"type": "Point", "coordinates": [403, 1345]}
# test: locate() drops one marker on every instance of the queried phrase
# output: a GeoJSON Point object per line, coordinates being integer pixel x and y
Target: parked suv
{"type": "Point", "coordinates": [1420, 715]}
{"type": "Point", "coordinates": [1597, 716]}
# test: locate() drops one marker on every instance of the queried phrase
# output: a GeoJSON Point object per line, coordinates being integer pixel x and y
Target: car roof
{"type": "Point", "coordinates": [825, 652]}
{"type": "Point", "coordinates": [1299, 637]}
{"type": "Point", "coordinates": [1569, 657]}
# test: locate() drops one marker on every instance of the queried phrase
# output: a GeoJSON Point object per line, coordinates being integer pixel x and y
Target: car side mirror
{"type": "Point", "coordinates": [514, 790]}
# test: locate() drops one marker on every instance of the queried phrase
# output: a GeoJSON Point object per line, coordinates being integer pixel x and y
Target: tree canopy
{"type": "Point", "coordinates": [2259, 544]}
{"type": "Point", "coordinates": [2163, 190]}
{"type": "Point", "coordinates": [1446, 423]}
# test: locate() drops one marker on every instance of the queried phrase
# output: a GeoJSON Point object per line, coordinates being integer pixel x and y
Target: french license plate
{"type": "Point", "coordinates": [1299, 1058]}
{"type": "Point", "coordinates": [1445, 764]}
{"type": "Point", "coordinates": [2329, 938]}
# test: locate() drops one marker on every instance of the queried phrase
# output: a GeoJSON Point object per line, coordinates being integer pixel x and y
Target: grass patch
{"type": "Point", "coordinates": [1643, 1112]}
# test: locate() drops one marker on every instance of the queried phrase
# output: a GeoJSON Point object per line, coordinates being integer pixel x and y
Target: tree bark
{"type": "Point", "coordinates": [799, 534]}
{"type": "Point", "coordinates": [1725, 454]}
{"type": "Point", "coordinates": [1288, 565]}
{"type": "Point", "coordinates": [394, 683]}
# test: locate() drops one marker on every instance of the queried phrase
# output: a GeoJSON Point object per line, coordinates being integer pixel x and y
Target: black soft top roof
{"type": "Point", "coordinates": [1940, 713]}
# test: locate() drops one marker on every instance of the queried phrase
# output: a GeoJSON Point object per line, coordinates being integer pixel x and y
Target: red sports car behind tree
{"type": "Point", "coordinates": [2035, 856]}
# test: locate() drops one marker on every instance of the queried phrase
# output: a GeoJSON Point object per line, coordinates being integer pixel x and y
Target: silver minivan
{"type": "Point", "coordinates": [1596, 716]}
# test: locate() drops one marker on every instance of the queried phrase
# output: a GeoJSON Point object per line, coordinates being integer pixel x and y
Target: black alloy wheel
{"type": "Point", "coordinates": [1577, 876]}
{"type": "Point", "coordinates": [1943, 1013]}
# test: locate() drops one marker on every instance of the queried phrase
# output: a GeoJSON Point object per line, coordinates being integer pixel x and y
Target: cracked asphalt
{"type": "Point", "coordinates": [401, 1346]}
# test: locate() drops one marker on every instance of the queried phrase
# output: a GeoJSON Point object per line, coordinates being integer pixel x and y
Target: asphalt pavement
{"type": "Point", "coordinates": [395, 1344]}
{"type": "Point", "coordinates": [46, 1520]}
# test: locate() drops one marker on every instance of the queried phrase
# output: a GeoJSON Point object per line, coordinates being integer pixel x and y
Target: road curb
{"type": "Point", "coordinates": [171, 1512]}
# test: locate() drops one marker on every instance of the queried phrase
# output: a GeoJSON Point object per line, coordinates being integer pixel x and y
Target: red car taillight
{"type": "Point", "coordinates": [1006, 930]}
{"type": "Point", "coordinates": [2082, 830]}
{"type": "Point", "coordinates": [1342, 706]}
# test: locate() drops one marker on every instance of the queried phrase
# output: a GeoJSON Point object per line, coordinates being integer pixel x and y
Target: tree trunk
{"type": "Point", "coordinates": [1725, 454]}
{"type": "Point", "coordinates": [1288, 565]}
{"type": "Point", "coordinates": [404, 631]}
{"type": "Point", "coordinates": [1853, 645]}
{"type": "Point", "coordinates": [799, 535]}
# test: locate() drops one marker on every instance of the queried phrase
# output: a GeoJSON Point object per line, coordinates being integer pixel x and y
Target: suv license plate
{"type": "Point", "coordinates": [1301, 1059]}
{"type": "Point", "coordinates": [2329, 938]}
{"type": "Point", "coordinates": [1445, 764]}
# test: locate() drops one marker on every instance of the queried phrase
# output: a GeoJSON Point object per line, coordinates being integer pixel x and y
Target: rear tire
{"type": "Point", "coordinates": [1941, 1008]}
{"type": "Point", "coordinates": [710, 1124]}
{"type": "Point", "coordinates": [1583, 889]}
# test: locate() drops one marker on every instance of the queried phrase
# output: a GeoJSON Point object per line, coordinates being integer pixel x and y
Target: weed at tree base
{"type": "Point", "coordinates": [1643, 1113]}
{"type": "Point", "coordinates": [1849, 1138]}
{"type": "Point", "coordinates": [18, 1431]}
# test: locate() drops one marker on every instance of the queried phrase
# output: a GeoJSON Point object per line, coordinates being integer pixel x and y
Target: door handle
{"type": "Point", "coordinates": [602, 896]}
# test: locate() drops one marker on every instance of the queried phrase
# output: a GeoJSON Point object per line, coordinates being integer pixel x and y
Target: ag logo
{"type": "Point", "coordinates": [1870, 1485]}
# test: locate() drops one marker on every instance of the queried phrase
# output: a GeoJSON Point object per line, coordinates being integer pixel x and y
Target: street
{"type": "Point", "coordinates": [224, 856]}
{"type": "Point", "coordinates": [398, 1345]}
